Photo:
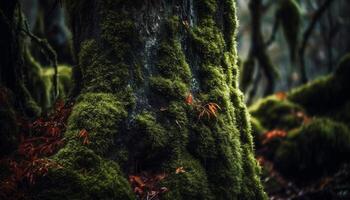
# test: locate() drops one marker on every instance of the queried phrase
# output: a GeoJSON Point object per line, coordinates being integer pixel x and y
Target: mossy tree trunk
{"type": "Point", "coordinates": [138, 61]}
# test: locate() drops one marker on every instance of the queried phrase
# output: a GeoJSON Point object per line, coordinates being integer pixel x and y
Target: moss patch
{"type": "Point", "coordinates": [314, 149]}
{"type": "Point", "coordinates": [277, 114]}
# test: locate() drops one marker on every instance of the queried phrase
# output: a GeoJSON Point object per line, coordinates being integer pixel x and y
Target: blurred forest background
{"type": "Point", "coordinates": [294, 74]}
{"type": "Point", "coordinates": [294, 71]}
{"type": "Point", "coordinates": [302, 40]}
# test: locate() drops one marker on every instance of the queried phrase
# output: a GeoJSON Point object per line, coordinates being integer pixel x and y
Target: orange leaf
{"type": "Point", "coordinates": [281, 95]}
{"type": "Point", "coordinates": [83, 133]}
{"type": "Point", "coordinates": [137, 180]}
{"type": "Point", "coordinates": [268, 136]}
{"type": "Point", "coordinates": [86, 141]}
{"type": "Point", "coordinates": [179, 170]}
{"type": "Point", "coordinates": [189, 99]}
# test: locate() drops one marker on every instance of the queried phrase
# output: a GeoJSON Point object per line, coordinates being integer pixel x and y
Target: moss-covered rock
{"type": "Point", "coordinates": [274, 113]}
{"type": "Point", "coordinates": [314, 149]}
{"type": "Point", "coordinates": [325, 94]}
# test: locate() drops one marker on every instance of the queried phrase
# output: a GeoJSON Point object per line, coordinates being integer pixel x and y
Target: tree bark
{"type": "Point", "coordinates": [138, 62]}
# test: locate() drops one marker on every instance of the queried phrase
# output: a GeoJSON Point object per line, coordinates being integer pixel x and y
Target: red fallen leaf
{"type": "Point", "coordinates": [54, 131]}
{"type": "Point", "coordinates": [179, 170]}
{"type": "Point", "coordinates": [83, 133]}
{"type": "Point", "coordinates": [189, 99]}
{"type": "Point", "coordinates": [281, 95]}
{"type": "Point", "coordinates": [138, 191]}
{"type": "Point", "coordinates": [86, 141]}
{"type": "Point", "coordinates": [146, 185]}
{"type": "Point", "coordinates": [138, 180]}
{"type": "Point", "coordinates": [268, 136]}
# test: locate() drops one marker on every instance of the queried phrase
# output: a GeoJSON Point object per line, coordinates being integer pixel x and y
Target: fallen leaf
{"type": "Point", "coordinates": [281, 95]}
{"type": "Point", "coordinates": [189, 99]}
{"type": "Point", "coordinates": [179, 170]}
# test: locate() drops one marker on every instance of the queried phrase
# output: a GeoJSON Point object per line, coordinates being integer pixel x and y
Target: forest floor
{"type": "Point", "coordinates": [278, 187]}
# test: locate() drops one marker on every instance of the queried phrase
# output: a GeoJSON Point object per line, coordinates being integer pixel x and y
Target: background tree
{"type": "Point", "coordinates": [15, 98]}
{"type": "Point", "coordinates": [302, 40]}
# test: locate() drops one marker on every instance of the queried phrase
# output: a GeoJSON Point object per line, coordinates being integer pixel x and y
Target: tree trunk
{"type": "Point", "coordinates": [140, 62]}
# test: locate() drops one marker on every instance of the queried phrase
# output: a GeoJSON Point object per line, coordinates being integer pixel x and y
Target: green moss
{"type": "Point", "coordinates": [247, 73]}
{"type": "Point", "coordinates": [192, 184]}
{"type": "Point", "coordinates": [35, 83]}
{"type": "Point", "coordinates": [332, 92]}
{"type": "Point", "coordinates": [167, 88]}
{"type": "Point", "coordinates": [224, 146]}
{"type": "Point", "coordinates": [100, 114]}
{"type": "Point", "coordinates": [257, 131]}
{"type": "Point", "coordinates": [64, 83]}
{"type": "Point", "coordinates": [149, 135]}
{"type": "Point", "coordinates": [209, 41]}
{"type": "Point", "coordinates": [230, 24]}
{"type": "Point", "coordinates": [343, 69]}
{"type": "Point", "coordinates": [102, 75]}
{"type": "Point", "coordinates": [314, 149]}
{"type": "Point", "coordinates": [205, 8]}
{"type": "Point", "coordinates": [84, 175]}
{"type": "Point", "coordinates": [171, 61]}
{"type": "Point", "coordinates": [277, 114]}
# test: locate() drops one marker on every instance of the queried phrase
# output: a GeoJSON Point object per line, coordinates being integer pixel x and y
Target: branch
{"type": "Point", "coordinates": [49, 52]}
{"type": "Point", "coordinates": [307, 34]}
